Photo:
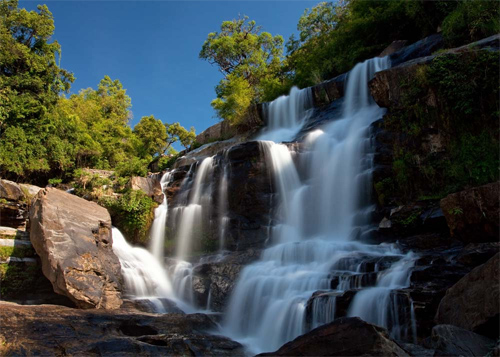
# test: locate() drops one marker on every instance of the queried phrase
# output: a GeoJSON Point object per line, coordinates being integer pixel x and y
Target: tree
{"type": "Point", "coordinates": [30, 84]}
{"type": "Point", "coordinates": [152, 137]}
{"type": "Point", "coordinates": [176, 132]}
{"type": "Point", "coordinates": [251, 62]}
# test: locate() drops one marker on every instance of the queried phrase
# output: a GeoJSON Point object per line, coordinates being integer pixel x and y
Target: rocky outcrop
{"type": "Point", "coordinates": [422, 48]}
{"type": "Point", "coordinates": [220, 131]}
{"type": "Point", "coordinates": [448, 340]}
{"type": "Point", "coordinates": [348, 336]}
{"type": "Point", "coordinates": [472, 303]}
{"type": "Point", "coordinates": [10, 191]}
{"type": "Point", "coordinates": [473, 214]}
{"type": "Point", "coordinates": [149, 185]}
{"type": "Point", "coordinates": [209, 149]}
{"type": "Point", "coordinates": [73, 238]}
{"type": "Point", "coordinates": [328, 91]}
{"type": "Point", "coordinates": [218, 277]}
{"type": "Point", "coordinates": [55, 330]}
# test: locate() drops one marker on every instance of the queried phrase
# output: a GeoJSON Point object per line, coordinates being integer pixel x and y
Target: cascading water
{"type": "Point", "coordinates": [191, 218]}
{"type": "Point", "coordinates": [158, 227]}
{"type": "Point", "coordinates": [324, 203]}
{"type": "Point", "coordinates": [286, 115]}
{"type": "Point", "coordinates": [145, 277]}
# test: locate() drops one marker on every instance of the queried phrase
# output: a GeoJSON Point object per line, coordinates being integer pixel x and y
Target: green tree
{"type": "Point", "coordinates": [30, 84]}
{"type": "Point", "coordinates": [152, 137]}
{"type": "Point", "coordinates": [251, 62]}
{"type": "Point", "coordinates": [176, 132]}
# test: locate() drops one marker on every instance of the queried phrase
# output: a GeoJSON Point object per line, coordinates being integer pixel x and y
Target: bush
{"type": "Point", "coordinates": [132, 167]}
{"type": "Point", "coordinates": [132, 213]}
{"type": "Point", "coordinates": [471, 21]}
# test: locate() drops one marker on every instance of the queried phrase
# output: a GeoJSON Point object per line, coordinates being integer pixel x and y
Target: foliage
{"type": "Point", "coordinates": [17, 280]}
{"type": "Point", "coordinates": [152, 137]}
{"type": "Point", "coordinates": [251, 62]}
{"type": "Point", "coordinates": [465, 119]}
{"type": "Point", "coordinates": [132, 167]}
{"type": "Point", "coordinates": [54, 181]}
{"type": "Point", "coordinates": [176, 132]}
{"type": "Point", "coordinates": [132, 213]}
{"type": "Point", "coordinates": [471, 21]}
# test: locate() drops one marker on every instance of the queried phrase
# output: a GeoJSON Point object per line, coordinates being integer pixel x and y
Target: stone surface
{"type": "Point", "coordinates": [449, 340]}
{"type": "Point", "coordinates": [73, 238]}
{"type": "Point", "coordinates": [30, 190]}
{"type": "Point", "coordinates": [13, 214]}
{"type": "Point", "coordinates": [393, 47]}
{"type": "Point", "coordinates": [472, 303]}
{"type": "Point", "coordinates": [10, 191]}
{"type": "Point", "coordinates": [219, 277]}
{"type": "Point", "coordinates": [149, 185]}
{"type": "Point", "coordinates": [473, 214]}
{"type": "Point", "coordinates": [56, 330]}
{"type": "Point", "coordinates": [220, 131]}
{"type": "Point", "coordinates": [347, 336]}
{"type": "Point", "coordinates": [208, 149]}
{"type": "Point", "coordinates": [329, 91]}
{"type": "Point", "coordinates": [475, 254]}
{"type": "Point", "coordinates": [422, 48]}
{"type": "Point", "coordinates": [12, 233]}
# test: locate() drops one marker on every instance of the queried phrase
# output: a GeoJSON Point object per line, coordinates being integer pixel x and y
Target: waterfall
{"type": "Point", "coordinates": [145, 277]}
{"type": "Point", "coordinates": [286, 115]}
{"type": "Point", "coordinates": [157, 234]}
{"type": "Point", "coordinates": [324, 207]}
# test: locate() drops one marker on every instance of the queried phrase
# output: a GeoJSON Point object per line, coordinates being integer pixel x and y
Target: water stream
{"type": "Point", "coordinates": [324, 210]}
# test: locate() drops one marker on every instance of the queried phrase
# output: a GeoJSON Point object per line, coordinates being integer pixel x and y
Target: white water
{"type": "Point", "coordinates": [286, 115]}
{"type": "Point", "coordinates": [145, 277]}
{"type": "Point", "coordinates": [324, 203]}
{"type": "Point", "coordinates": [157, 234]}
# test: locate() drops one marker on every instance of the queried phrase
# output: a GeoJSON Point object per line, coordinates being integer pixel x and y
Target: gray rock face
{"type": "Point", "coordinates": [64, 331]}
{"type": "Point", "coordinates": [347, 336]}
{"type": "Point", "coordinates": [450, 340]}
{"type": "Point", "coordinates": [219, 278]}
{"type": "Point", "coordinates": [472, 215]}
{"type": "Point", "coordinates": [472, 303]}
{"type": "Point", "coordinates": [73, 238]}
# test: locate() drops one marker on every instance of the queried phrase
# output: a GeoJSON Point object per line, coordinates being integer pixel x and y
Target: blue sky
{"type": "Point", "coordinates": [152, 47]}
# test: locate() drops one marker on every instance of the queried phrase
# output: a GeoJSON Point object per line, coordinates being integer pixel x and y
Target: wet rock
{"type": "Point", "coordinates": [149, 185]}
{"type": "Point", "coordinates": [347, 336]}
{"type": "Point", "coordinates": [218, 278]}
{"type": "Point", "coordinates": [207, 150]}
{"type": "Point", "coordinates": [73, 238]}
{"type": "Point", "coordinates": [329, 91]}
{"type": "Point", "coordinates": [472, 214]}
{"type": "Point", "coordinates": [10, 191]}
{"type": "Point", "coordinates": [160, 305]}
{"type": "Point", "coordinates": [55, 330]}
{"type": "Point", "coordinates": [341, 304]}
{"type": "Point", "coordinates": [475, 254]}
{"type": "Point", "coordinates": [472, 303]}
{"type": "Point", "coordinates": [220, 131]}
{"type": "Point", "coordinates": [422, 48]}
{"type": "Point", "coordinates": [393, 47]}
{"type": "Point", "coordinates": [451, 340]}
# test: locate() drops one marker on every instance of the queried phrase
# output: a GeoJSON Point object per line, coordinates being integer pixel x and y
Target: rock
{"type": "Point", "coordinates": [347, 336]}
{"type": "Point", "coordinates": [472, 303]}
{"type": "Point", "coordinates": [218, 278]}
{"type": "Point", "coordinates": [13, 214]}
{"type": "Point", "coordinates": [472, 214]}
{"type": "Point", "coordinates": [329, 91]}
{"type": "Point", "coordinates": [55, 330]}
{"type": "Point", "coordinates": [220, 131]}
{"type": "Point", "coordinates": [149, 185]}
{"type": "Point", "coordinates": [12, 233]}
{"type": "Point", "coordinates": [451, 340]}
{"type": "Point", "coordinates": [393, 47]}
{"type": "Point", "coordinates": [324, 298]}
{"type": "Point", "coordinates": [30, 190]}
{"type": "Point", "coordinates": [161, 305]}
{"type": "Point", "coordinates": [10, 191]}
{"type": "Point", "coordinates": [475, 254]}
{"type": "Point", "coordinates": [73, 238]}
{"type": "Point", "coordinates": [208, 149]}
{"type": "Point", "coordinates": [385, 223]}
{"type": "Point", "coordinates": [422, 48]}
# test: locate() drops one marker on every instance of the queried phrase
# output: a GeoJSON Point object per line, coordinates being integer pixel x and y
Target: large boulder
{"type": "Point", "coordinates": [472, 303]}
{"type": "Point", "coordinates": [450, 340]}
{"type": "Point", "coordinates": [10, 191]}
{"type": "Point", "coordinates": [49, 330]}
{"type": "Point", "coordinates": [149, 185]}
{"type": "Point", "coordinates": [73, 238]}
{"type": "Point", "coordinates": [472, 214]}
{"type": "Point", "coordinates": [347, 336]}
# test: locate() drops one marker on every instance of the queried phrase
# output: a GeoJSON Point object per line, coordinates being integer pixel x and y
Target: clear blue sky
{"type": "Point", "coordinates": [152, 47]}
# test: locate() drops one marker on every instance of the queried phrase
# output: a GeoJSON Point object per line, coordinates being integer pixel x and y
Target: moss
{"type": "Point", "coordinates": [18, 252]}
{"type": "Point", "coordinates": [456, 98]}
{"type": "Point", "coordinates": [17, 279]}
